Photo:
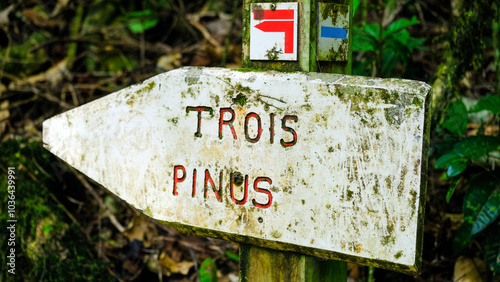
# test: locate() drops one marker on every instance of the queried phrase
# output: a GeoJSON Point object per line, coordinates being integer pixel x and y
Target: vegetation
{"type": "Point", "coordinates": [56, 55]}
{"type": "Point", "coordinates": [388, 46]}
{"type": "Point", "coordinates": [50, 244]}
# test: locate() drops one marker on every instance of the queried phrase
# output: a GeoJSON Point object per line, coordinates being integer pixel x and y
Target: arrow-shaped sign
{"type": "Point", "coordinates": [326, 165]}
{"type": "Point", "coordinates": [280, 26]}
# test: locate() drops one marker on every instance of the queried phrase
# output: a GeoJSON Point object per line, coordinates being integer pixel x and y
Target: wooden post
{"type": "Point", "coordinates": [307, 47]}
{"type": "Point", "coordinates": [261, 264]}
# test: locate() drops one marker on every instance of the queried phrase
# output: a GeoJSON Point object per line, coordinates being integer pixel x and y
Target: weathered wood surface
{"type": "Point", "coordinates": [270, 265]}
{"type": "Point", "coordinates": [341, 179]}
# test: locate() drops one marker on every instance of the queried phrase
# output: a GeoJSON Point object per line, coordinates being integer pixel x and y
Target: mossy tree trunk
{"type": "Point", "coordinates": [477, 21]}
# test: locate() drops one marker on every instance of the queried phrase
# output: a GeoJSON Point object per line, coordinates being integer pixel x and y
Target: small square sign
{"type": "Point", "coordinates": [333, 32]}
{"type": "Point", "coordinates": [273, 31]}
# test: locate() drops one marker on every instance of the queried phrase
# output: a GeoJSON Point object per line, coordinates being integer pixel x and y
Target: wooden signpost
{"type": "Point", "coordinates": [325, 165]}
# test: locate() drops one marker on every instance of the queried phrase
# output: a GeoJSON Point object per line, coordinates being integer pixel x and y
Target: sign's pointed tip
{"type": "Point", "coordinates": [56, 135]}
{"type": "Point", "coordinates": [46, 133]}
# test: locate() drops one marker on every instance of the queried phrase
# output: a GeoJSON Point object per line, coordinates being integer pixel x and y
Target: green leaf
{"type": "Point", "coordinates": [141, 21]}
{"type": "Point", "coordinates": [166, 4]}
{"type": "Point", "coordinates": [475, 147]}
{"type": "Point", "coordinates": [399, 25]}
{"type": "Point", "coordinates": [456, 168]}
{"type": "Point", "coordinates": [232, 256]}
{"type": "Point", "coordinates": [488, 213]}
{"type": "Point", "coordinates": [492, 249]}
{"type": "Point", "coordinates": [451, 190]}
{"type": "Point", "coordinates": [142, 26]}
{"type": "Point", "coordinates": [416, 43]}
{"type": "Point", "coordinates": [47, 228]}
{"type": "Point", "coordinates": [390, 59]}
{"type": "Point", "coordinates": [138, 14]}
{"type": "Point", "coordinates": [372, 30]}
{"type": "Point", "coordinates": [400, 55]}
{"type": "Point", "coordinates": [489, 102]}
{"type": "Point", "coordinates": [462, 237]}
{"type": "Point", "coordinates": [355, 4]}
{"type": "Point", "coordinates": [362, 67]}
{"type": "Point", "coordinates": [363, 42]}
{"type": "Point", "coordinates": [208, 271]}
{"type": "Point", "coordinates": [457, 118]}
{"type": "Point", "coordinates": [447, 159]}
{"type": "Point", "coordinates": [482, 202]}
{"type": "Point", "coordinates": [402, 37]}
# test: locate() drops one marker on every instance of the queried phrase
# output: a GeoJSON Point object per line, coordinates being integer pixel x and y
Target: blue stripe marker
{"type": "Point", "coordinates": [333, 32]}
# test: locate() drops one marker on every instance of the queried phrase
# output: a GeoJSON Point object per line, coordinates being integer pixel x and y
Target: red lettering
{"type": "Point", "coordinates": [194, 183]}
{"type": "Point", "coordinates": [177, 179]}
{"type": "Point", "coordinates": [236, 179]}
{"type": "Point", "coordinates": [271, 128]}
{"type": "Point", "coordinates": [199, 109]}
{"type": "Point", "coordinates": [262, 190]}
{"type": "Point", "coordinates": [228, 122]}
{"type": "Point", "coordinates": [245, 191]}
{"type": "Point", "coordinates": [259, 127]}
{"type": "Point", "coordinates": [209, 178]}
{"type": "Point", "coordinates": [288, 129]}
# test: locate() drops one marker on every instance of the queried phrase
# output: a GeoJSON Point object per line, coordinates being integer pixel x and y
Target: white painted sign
{"type": "Point", "coordinates": [273, 31]}
{"type": "Point", "coordinates": [333, 32]}
{"type": "Point", "coordinates": [323, 164]}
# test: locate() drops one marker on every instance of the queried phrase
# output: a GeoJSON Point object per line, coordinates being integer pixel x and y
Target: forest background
{"type": "Point", "coordinates": [58, 54]}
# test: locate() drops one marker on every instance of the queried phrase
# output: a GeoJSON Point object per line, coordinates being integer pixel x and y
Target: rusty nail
{"type": "Point", "coordinates": [260, 219]}
{"type": "Point", "coordinates": [273, 7]}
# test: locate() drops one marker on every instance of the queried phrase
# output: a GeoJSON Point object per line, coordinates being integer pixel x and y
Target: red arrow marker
{"type": "Point", "coordinates": [280, 26]}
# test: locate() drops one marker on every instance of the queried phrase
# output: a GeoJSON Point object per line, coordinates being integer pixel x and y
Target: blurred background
{"type": "Point", "coordinates": [58, 54]}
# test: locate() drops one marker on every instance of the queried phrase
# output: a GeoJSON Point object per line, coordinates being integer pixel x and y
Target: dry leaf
{"type": "Point", "coordinates": [39, 18]}
{"type": "Point", "coordinates": [491, 129]}
{"type": "Point", "coordinates": [54, 75]}
{"type": "Point", "coordinates": [353, 270]}
{"type": "Point", "coordinates": [456, 219]}
{"type": "Point", "coordinates": [2, 89]}
{"type": "Point", "coordinates": [131, 267]}
{"type": "Point", "coordinates": [199, 60]}
{"type": "Point", "coordinates": [36, 17]}
{"type": "Point", "coordinates": [139, 230]}
{"type": "Point", "coordinates": [4, 15]}
{"type": "Point", "coordinates": [169, 62]}
{"type": "Point", "coordinates": [167, 261]}
{"type": "Point", "coordinates": [4, 110]}
{"type": "Point", "coordinates": [4, 114]}
{"type": "Point", "coordinates": [60, 5]}
{"type": "Point", "coordinates": [30, 129]}
{"type": "Point", "coordinates": [469, 270]}
{"type": "Point", "coordinates": [182, 267]}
